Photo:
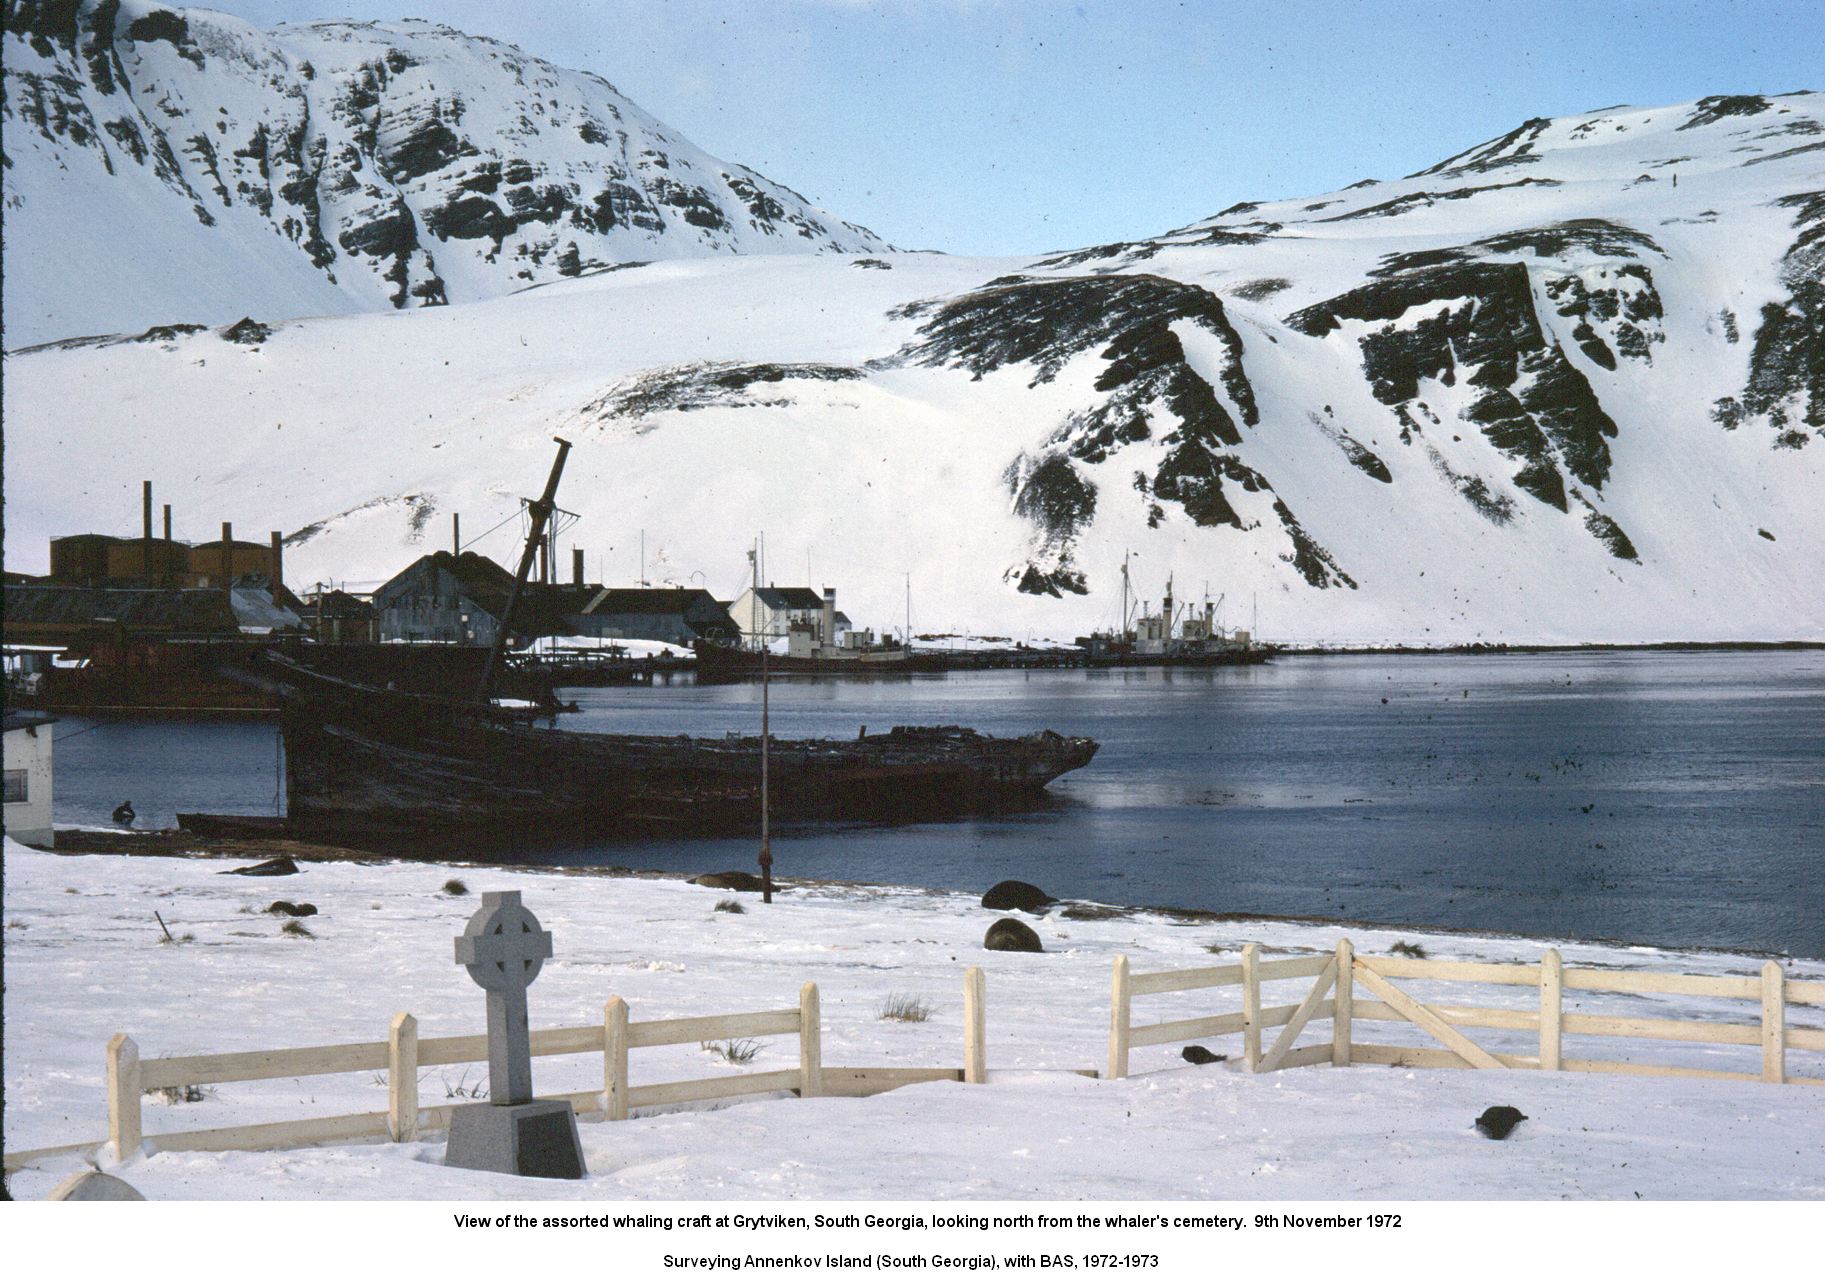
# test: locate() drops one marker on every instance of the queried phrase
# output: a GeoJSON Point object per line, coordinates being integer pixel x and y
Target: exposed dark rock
{"type": "Point", "coordinates": [1053, 496]}
{"type": "Point", "coordinates": [763, 208]}
{"type": "Point", "coordinates": [1011, 934]}
{"type": "Point", "coordinates": [1479, 319]}
{"type": "Point", "coordinates": [869, 263]}
{"type": "Point", "coordinates": [1787, 360]}
{"type": "Point", "coordinates": [1598, 237]}
{"type": "Point", "coordinates": [1425, 199]}
{"type": "Point", "coordinates": [695, 386]}
{"type": "Point", "coordinates": [1198, 1054]}
{"type": "Point", "coordinates": [1018, 895]}
{"type": "Point", "coordinates": [1512, 147]}
{"type": "Point", "coordinates": [432, 144]}
{"type": "Point", "coordinates": [1607, 531]}
{"type": "Point", "coordinates": [1050, 583]}
{"type": "Point", "coordinates": [172, 28]}
{"type": "Point", "coordinates": [1712, 109]}
{"type": "Point", "coordinates": [739, 881]}
{"type": "Point", "coordinates": [167, 331]}
{"type": "Point", "coordinates": [1498, 1121]}
{"type": "Point", "coordinates": [273, 866]}
{"type": "Point", "coordinates": [295, 909]}
{"type": "Point", "coordinates": [468, 217]}
{"type": "Point", "coordinates": [247, 332]}
{"type": "Point", "coordinates": [1260, 289]}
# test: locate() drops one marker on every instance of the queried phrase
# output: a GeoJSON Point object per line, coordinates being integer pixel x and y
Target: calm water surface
{"type": "Point", "coordinates": [1673, 799]}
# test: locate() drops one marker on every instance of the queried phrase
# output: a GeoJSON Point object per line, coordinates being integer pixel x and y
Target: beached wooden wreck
{"type": "Point", "coordinates": [363, 762]}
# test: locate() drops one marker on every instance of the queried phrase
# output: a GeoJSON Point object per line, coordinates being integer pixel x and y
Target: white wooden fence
{"type": "Point", "coordinates": [1331, 995]}
{"type": "Point", "coordinates": [1337, 976]}
{"type": "Point", "coordinates": [403, 1054]}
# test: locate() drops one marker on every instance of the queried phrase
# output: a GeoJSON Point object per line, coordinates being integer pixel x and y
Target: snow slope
{"type": "Point", "coordinates": [83, 961]}
{"type": "Point", "coordinates": [1566, 386]}
{"type": "Point", "coordinates": [178, 165]}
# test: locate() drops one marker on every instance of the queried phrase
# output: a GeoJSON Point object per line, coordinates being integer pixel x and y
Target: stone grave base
{"type": "Point", "coordinates": [536, 1138]}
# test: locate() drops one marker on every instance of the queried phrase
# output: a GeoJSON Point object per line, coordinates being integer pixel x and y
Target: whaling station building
{"type": "Point", "coordinates": [775, 612]}
{"type": "Point", "coordinates": [460, 600]}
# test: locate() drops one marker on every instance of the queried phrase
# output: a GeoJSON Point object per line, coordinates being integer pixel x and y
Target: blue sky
{"type": "Point", "coordinates": [1009, 126]}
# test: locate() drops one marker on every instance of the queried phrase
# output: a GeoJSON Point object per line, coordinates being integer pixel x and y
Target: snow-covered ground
{"type": "Point", "coordinates": [84, 960]}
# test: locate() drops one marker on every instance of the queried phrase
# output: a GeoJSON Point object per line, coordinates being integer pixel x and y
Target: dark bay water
{"type": "Point", "coordinates": [1673, 799]}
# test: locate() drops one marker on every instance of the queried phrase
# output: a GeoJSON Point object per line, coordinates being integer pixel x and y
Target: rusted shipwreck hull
{"type": "Point", "coordinates": [362, 762]}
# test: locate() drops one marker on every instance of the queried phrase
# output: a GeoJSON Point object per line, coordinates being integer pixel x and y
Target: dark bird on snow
{"type": "Point", "coordinates": [1498, 1120]}
{"type": "Point", "coordinates": [1197, 1054]}
{"type": "Point", "coordinates": [124, 814]}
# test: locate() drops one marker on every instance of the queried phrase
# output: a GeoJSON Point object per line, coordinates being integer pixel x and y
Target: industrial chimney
{"type": "Point", "coordinates": [228, 561]}
{"type": "Point", "coordinates": [146, 541]}
{"type": "Point", "coordinates": [576, 568]}
{"type": "Point", "coordinates": [278, 568]}
{"type": "Point", "coordinates": [830, 617]}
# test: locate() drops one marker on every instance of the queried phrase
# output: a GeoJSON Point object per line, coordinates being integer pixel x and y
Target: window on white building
{"type": "Point", "coordinates": [16, 786]}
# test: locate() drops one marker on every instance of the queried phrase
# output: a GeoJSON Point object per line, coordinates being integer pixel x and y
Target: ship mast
{"type": "Point", "coordinates": [541, 510]}
{"type": "Point", "coordinates": [1122, 631]}
{"type": "Point", "coordinates": [766, 838]}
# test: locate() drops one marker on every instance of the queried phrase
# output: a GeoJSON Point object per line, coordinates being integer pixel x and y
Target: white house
{"type": "Point", "coordinates": [28, 777]}
{"type": "Point", "coordinates": [772, 612]}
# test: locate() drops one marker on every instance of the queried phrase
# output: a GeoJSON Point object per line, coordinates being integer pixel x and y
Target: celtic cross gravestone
{"type": "Point", "coordinates": [503, 948]}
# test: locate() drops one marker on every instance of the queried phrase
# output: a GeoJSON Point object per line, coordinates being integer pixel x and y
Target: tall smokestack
{"type": "Point", "coordinates": [228, 560]}
{"type": "Point", "coordinates": [576, 568]}
{"type": "Point", "coordinates": [278, 567]}
{"type": "Point", "coordinates": [456, 534]}
{"type": "Point", "coordinates": [830, 616]}
{"type": "Point", "coordinates": [146, 540]}
{"type": "Point", "coordinates": [167, 523]}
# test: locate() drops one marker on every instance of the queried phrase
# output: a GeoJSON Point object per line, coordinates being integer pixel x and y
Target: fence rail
{"type": "Point", "coordinates": [1332, 996]}
{"type": "Point", "coordinates": [403, 1054]}
{"type": "Point", "coordinates": [1336, 977]}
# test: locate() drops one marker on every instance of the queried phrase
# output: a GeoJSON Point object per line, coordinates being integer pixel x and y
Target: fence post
{"type": "Point", "coordinates": [975, 1027]}
{"type": "Point", "coordinates": [1251, 1006]}
{"type": "Point", "coordinates": [123, 1096]}
{"type": "Point", "coordinates": [1343, 1002]}
{"type": "Point", "coordinates": [1552, 1018]}
{"type": "Point", "coordinates": [1774, 1024]}
{"type": "Point", "coordinates": [614, 1059]}
{"type": "Point", "coordinates": [810, 1042]}
{"type": "Point", "coordinates": [402, 1077]}
{"type": "Point", "coordinates": [1119, 1002]}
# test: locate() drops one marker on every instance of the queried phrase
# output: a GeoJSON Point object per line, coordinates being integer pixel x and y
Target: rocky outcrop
{"type": "Point", "coordinates": [360, 145]}
{"type": "Point", "coordinates": [1148, 392]}
{"type": "Point", "coordinates": [1450, 316]}
{"type": "Point", "coordinates": [1786, 387]}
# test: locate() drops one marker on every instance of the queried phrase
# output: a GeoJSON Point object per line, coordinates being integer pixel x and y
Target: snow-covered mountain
{"type": "Point", "coordinates": [167, 165]}
{"type": "Point", "coordinates": [1566, 385]}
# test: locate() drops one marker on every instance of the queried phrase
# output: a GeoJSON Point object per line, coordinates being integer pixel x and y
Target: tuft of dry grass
{"type": "Point", "coordinates": [1411, 949]}
{"type": "Point", "coordinates": [296, 928]}
{"type": "Point", "coordinates": [455, 888]}
{"type": "Point", "coordinates": [187, 1094]}
{"type": "Point", "coordinates": [905, 1007]}
{"type": "Point", "coordinates": [730, 906]}
{"type": "Point", "coordinates": [734, 1051]}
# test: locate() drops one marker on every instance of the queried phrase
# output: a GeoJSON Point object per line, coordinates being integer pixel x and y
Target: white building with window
{"type": "Point", "coordinates": [28, 777]}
